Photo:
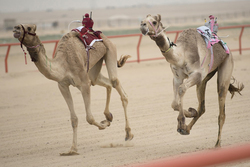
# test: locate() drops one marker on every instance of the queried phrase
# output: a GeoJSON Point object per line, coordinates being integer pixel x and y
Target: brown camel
{"type": "Point", "coordinates": [185, 60]}
{"type": "Point", "coordinates": [68, 67]}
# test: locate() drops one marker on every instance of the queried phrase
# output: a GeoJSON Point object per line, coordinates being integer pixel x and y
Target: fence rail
{"type": "Point", "coordinates": [240, 49]}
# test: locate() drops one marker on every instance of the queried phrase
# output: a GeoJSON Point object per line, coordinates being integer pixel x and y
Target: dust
{"type": "Point", "coordinates": [116, 144]}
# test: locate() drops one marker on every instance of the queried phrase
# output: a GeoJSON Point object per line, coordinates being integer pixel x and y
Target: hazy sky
{"type": "Point", "coordinates": [33, 5]}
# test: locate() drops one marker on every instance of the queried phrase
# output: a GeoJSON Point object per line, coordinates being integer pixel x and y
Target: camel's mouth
{"type": "Point", "coordinates": [17, 32]}
{"type": "Point", "coordinates": [144, 30]}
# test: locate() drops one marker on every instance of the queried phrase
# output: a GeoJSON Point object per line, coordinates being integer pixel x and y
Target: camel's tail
{"type": "Point", "coordinates": [237, 88]}
{"type": "Point", "coordinates": [122, 60]}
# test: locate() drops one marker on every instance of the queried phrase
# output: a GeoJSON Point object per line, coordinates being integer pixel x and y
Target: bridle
{"type": "Point", "coordinates": [21, 44]}
{"type": "Point", "coordinates": [171, 44]}
{"type": "Point", "coordinates": [156, 30]}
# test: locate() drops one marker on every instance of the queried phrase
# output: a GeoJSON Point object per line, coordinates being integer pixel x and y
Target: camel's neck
{"type": "Point", "coordinates": [44, 64]}
{"type": "Point", "coordinates": [163, 43]}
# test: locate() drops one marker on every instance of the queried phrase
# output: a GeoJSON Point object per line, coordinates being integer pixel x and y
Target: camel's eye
{"type": "Point", "coordinates": [154, 22]}
{"type": "Point", "coordinates": [16, 27]}
{"type": "Point", "coordinates": [29, 28]}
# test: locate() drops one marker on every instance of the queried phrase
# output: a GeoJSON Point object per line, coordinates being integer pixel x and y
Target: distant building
{"type": "Point", "coordinates": [9, 24]}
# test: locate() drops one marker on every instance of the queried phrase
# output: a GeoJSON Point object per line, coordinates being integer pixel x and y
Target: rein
{"type": "Point", "coordinates": [21, 44]}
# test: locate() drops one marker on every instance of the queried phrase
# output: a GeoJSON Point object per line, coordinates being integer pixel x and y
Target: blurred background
{"type": "Point", "coordinates": [115, 17]}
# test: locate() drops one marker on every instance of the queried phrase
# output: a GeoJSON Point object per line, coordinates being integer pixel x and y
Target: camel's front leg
{"type": "Point", "coordinates": [176, 84]}
{"type": "Point", "coordinates": [178, 77]}
{"type": "Point", "coordinates": [193, 79]}
{"type": "Point", "coordinates": [74, 120]}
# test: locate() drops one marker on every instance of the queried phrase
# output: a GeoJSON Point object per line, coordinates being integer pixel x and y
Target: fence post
{"type": "Point", "coordinates": [6, 59]}
{"type": "Point", "coordinates": [177, 33]}
{"type": "Point", "coordinates": [240, 48]}
{"type": "Point", "coordinates": [138, 48]}
{"type": "Point", "coordinates": [55, 49]}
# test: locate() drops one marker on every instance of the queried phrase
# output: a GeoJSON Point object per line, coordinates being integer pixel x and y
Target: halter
{"type": "Point", "coordinates": [21, 44]}
{"type": "Point", "coordinates": [156, 30]}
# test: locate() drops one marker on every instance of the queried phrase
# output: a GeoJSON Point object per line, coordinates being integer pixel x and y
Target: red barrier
{"type": "Point", "coordinates": [138, 45]}
{"type": "Point", "coordinates": [204, 158]}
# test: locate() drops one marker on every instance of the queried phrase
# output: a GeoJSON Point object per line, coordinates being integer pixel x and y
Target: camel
{"type": "Point", "coordinates": [185, 58]}
{"type": "Point", "coordinates": [68, 67]}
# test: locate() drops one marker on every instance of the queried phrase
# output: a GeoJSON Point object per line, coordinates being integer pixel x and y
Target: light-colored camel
{"type": "Point", "coordinates": [185, 61]}
{"type": "Point", "coordinates": [68, 67]}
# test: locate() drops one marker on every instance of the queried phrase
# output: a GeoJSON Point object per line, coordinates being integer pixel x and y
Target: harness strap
{"type": "Point", "coordinates": [171, 44]}
{"type": "Point", "coordinates": [33, 46]}
{"type": "Point", "coordinates": [154, 29]}
{"type": "Point", "coordinates": [25, 32]}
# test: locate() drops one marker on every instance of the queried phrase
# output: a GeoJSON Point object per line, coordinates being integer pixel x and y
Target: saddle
{"type": "Point", "coordinates": [88, 37]}
{"type": "Point", "coordinates": [211, 38]}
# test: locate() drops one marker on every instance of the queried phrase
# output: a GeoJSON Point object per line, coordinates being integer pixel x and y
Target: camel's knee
{"type": "Point", "coordinates": [90, 120]}
{"type": "Point", "coordinates": [114, 82]}
{"type": "Point", "coordinates": [202, 108]}
{"type": "Point", "coordinates": [109, 88]}
{"type": "Point", "coordinates": [222, 115]}
{"type": "Point", "coordinates": [124, 100]}
{"type": "Point", "coordinates": [175, 105]}
{"type": "Point", "coordinates": [74, 122]}
{"type": "Point", "coordinates": [181, 90]}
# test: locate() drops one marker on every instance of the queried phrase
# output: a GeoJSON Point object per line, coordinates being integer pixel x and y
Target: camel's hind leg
{"type": "Point", "coordinates": [111, 65]}
{"type": "Point", "coordinates": [224, 75]}
{"type": "Point", "coordinates": [105, 82]}
{"type": "Point", "coordinates": [98, 79]}
{"type": "Point", "coordinates": [200, 90]}
{"type": "Point", "coordinates": [84, 87]}
{"type": "Point", "coordinates": [124, 99]}
{"type": "Point", "coordinates": [110, 60]}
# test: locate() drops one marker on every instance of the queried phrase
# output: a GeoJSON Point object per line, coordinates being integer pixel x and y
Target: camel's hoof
{"type": "Point", "coordinates": [109, 117]}
{"type": "Point", "coordinates": [217, 145]}
{"type": "Point", "coordinates": [129, 137]}
{"type": "Point", "coordinates": [69, 153]}
{"type": "Point", "coordinates": [183, 131]}
{"type": "Point", "coordinates": [104, 124]}
{"type": "Point", "coordinates": [191, 113]}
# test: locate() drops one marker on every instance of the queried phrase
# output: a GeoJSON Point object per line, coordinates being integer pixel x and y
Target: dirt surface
{"type": "Point", "coordinates": [35, 125]}
{"type": "Point", "coordinates": [35, 121]}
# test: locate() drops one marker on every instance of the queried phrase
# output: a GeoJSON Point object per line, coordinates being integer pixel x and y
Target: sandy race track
{"type": "Point", "coordinates": [35, 125]}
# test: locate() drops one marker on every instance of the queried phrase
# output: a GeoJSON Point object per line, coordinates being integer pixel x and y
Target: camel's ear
{"type": "Point", "coordinates": [34, 27]}
{"type": "Point", "coordinates": [148, 15]}
{"type": "Point", "coordinates": [158, 17]}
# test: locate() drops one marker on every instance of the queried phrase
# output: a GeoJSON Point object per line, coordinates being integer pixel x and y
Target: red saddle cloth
{"type": "Point", "coordinates": [89, 37]}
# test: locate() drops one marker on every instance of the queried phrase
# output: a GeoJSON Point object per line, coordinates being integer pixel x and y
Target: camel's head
{"type": "Point", "coordinates": [152, 25]}
{"type": "Point", "coordinates": [24, 33]}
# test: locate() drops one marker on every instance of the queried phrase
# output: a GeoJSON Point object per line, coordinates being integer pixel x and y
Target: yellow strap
{"type": "Point", "coordinates": [166, 50]}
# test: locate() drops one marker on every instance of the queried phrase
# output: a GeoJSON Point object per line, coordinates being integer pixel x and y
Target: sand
{"type": "Point", "coordinates": [35, 124]}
